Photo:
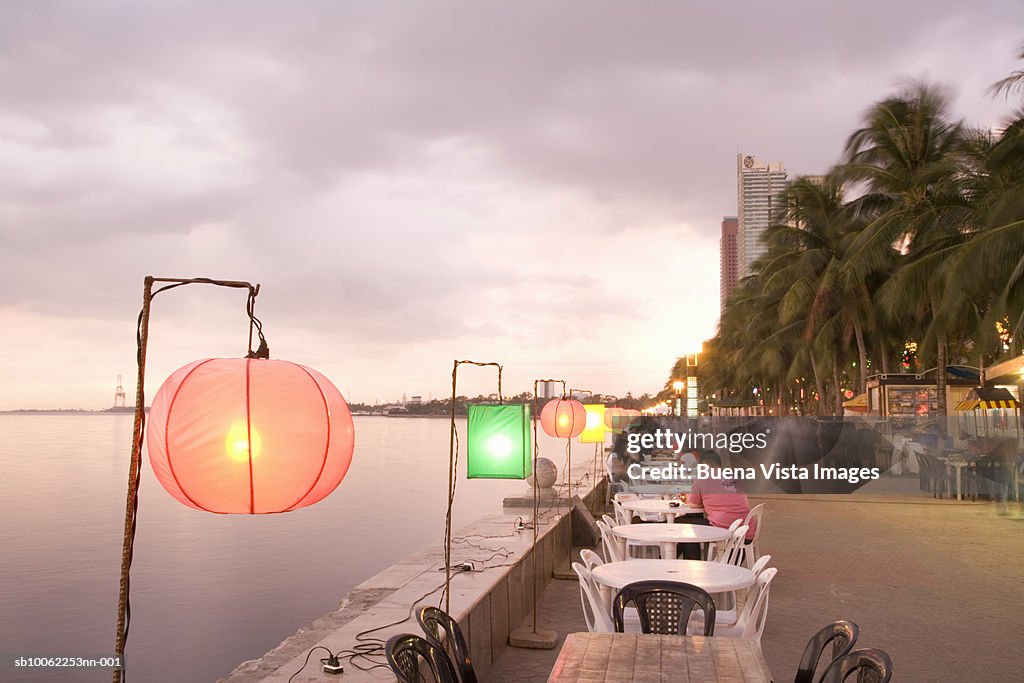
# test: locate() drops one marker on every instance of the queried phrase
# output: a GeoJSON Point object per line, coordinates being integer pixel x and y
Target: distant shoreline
{"type": "Point", "coordinates": [69, 411]}
{"type": "Point", "coordinates": [128, 411]}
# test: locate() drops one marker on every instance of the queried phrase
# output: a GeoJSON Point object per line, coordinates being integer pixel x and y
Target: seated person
{"type": "Point", "coordinates": [722, 500]}
{"type": "Point", "coordinates": [617, 466]}
{"type": "Point", "coordinates": [688, 462]}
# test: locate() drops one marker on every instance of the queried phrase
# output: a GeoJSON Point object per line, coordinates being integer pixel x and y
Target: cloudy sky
{"type": "Point", "coordinates": [535, 183]}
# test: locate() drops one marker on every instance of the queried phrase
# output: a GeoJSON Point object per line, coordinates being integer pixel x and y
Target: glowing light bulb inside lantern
{"type": "Point", "coordinates": [500, 446]}
{"type": "Point", "coordinates": [237, 442]}
{"type": "Point", "coordinates": [594, 420]}
{"type": "Point", "coordinates": [563, 420]}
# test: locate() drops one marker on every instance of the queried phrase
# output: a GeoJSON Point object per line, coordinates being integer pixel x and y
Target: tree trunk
{"type": "Point", "coordinates": [838, 389]}
{"type": "Point", "coordinates": [885, 358]}
{"type": "Point", "coordinates": [862, 355]}
{"type": "Point", "coordinates": [818, 385]}
{"type": "Point", "coordinates": [940, 389]}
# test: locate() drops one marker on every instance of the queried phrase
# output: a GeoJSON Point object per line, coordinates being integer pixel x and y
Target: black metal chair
{"type": "Point", "coordinates": [445, 633]}
{"type": "Point", "coordinates": [870, 665]}
{"type": "Point", "coordinates": [923, 473]}
{"type": "Point", "coordinates": [994, 475]}
{"type": "Point", "coordinates": [883, 456]}
{"type": "Point", "coordinates": [841, 634]}
{"type": "Point", "coordinates": [404, 653]}
{"type": "Point", "coordinates": [664, 607]}
{"type": "Point", "coordinates": [939, 478]}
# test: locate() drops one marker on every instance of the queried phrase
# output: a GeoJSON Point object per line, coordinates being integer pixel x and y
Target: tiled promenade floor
{"type": "Point", "coordinates": [938, 586]}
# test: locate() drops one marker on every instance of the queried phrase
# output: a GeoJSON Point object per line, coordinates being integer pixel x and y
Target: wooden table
{"type": "Point", "coordinates": [634, 657]}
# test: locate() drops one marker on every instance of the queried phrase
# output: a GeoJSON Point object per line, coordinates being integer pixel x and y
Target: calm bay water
{"type": "Point", "coordinates": [208, 591]}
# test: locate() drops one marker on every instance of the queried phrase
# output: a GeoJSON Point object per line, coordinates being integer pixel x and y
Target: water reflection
{"type": "Point", "coordinates": [208, 591]}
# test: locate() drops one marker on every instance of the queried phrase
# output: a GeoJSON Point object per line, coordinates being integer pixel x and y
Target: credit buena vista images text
{"type": "Point", "coordinates": [672, 471]}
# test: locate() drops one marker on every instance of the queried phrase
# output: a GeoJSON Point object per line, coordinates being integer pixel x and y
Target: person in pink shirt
{"type": "Point", "coordinates": [723, 502]}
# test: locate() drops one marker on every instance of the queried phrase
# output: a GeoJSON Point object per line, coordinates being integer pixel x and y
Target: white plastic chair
{"type": "Point", "coordinates": [750, 624]}
{"type": "Point", "coordinates": [645, 516]}
{"type": "Point", "coordinates": [592, 559]}
{"type": "Point", "coordinates": [612, 551]}
{"type": "Point", "coordinates": [633, 548]}
{"type": "Point", "coordinates": [728, 617]}
{"type": "Point", "coordinates": [622, 516]}
{"type": "Point", "coordinates": [716, 548]}
{"type": "Point", "coordinates": [753, 551]}
{"type": "Point", "coordinates": [761, 563]}
{"type": "Point", "coordinates": [731, 550]}
{"type": "Point", "coordinates": [594, 610]}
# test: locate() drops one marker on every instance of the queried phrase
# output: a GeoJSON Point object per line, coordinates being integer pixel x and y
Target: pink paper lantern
{"type": "Point", "coordinates": [615, 418]}
{"type": "Point", "coordinates": [249, 436]}
{"type": "Point", "coordinates": [563, 418]}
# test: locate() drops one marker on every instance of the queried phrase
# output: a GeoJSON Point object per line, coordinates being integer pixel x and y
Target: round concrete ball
{"type": "Point", "coordinates": [546, 473]}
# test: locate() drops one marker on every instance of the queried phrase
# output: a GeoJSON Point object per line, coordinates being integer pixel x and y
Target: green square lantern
{"type": "Point", "coordinates": [498, 442]}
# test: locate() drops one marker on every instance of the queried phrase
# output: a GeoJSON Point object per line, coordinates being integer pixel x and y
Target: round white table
{"type": "Point", "coordinates": [711, 576]}
{"type": "Point", "coordinates": [667, 535]}
{"type": "Point", "coordinates": [661, 507]}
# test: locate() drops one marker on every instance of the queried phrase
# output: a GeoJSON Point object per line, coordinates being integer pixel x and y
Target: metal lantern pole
{"type": "Point", "coordinates": [452, 477]}
{"type": "Point", "coordinates": [135, 463]}
{"type": "Point", "coordinates": [568, 469]}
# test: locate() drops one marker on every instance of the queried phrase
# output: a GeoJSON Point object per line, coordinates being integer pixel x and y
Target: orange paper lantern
{"type": "Point", "coordinates": [251, 436]}
{"type": "Point", "coordinates": [563, 418]}
{"type": "Point", "coordinates": [616, 418]}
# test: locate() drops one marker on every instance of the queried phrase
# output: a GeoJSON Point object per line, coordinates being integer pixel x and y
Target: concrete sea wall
{"type": "Point", "coordinates": [488, 604]}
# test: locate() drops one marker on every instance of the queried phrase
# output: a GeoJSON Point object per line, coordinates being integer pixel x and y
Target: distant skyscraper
{"type": "Point", "coordinates": [550, 389]}
{"type": "Point", "coordinates": [757, 185]}
{"type": "Point", "coordinates": [729, 259]}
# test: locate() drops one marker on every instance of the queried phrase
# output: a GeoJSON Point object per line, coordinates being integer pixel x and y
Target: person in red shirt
{"type": "Point", "coordinates": [723, 502]}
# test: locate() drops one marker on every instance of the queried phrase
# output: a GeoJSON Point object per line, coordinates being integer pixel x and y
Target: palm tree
{"type": "Point", "coordinates": [991, 263]}
{"type": "Point", "coordinates": [1013, 82]}
{"type": "Point", "coordinates": [904, 156]}
{"type": "Point", "coordinates": [813, 233]}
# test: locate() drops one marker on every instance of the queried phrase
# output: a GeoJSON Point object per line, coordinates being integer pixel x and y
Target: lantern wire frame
{"type": "Point", "coordinates": [573, 392]}
{"type": "Point", "coordinates": [536, 498]}
{"type": "Point", "coordinates": [453, 459]}
{"type": "Point", "coordinates": [135, 466]}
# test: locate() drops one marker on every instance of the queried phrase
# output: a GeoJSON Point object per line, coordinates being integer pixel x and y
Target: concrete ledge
{"type": "Point", "coordinates": [488, 604]}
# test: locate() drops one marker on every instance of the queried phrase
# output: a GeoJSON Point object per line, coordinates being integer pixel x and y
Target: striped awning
{"type": "Point", "coordinates": [987, 405]}
{"type": "Point", "coordinates": [858, 403]}
{"type": "Point", "coordinates": [967, 405]}
{"type": "Point", "coordinates": [987, 399]}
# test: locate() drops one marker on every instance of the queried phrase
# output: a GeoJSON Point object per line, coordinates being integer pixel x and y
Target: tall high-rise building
{"type": "Point", "coordinates": [758, 183]}
{"type": "Point", "coordinates": [728, 259]}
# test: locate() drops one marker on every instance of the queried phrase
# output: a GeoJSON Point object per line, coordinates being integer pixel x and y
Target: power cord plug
{"type": "Point", "coordinates": [332, 665]}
